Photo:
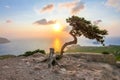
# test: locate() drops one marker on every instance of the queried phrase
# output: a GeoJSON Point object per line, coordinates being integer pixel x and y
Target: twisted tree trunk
{"type": "Point", "coordinates": [68, 43]}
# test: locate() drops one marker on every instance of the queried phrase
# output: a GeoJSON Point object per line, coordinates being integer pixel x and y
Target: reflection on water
{"type": "Point", "coordinates": [57, 44]}
{"type": "Point", "coordinates": [17, 47]}
{"type": "Point", "coordinates": [20, 46]}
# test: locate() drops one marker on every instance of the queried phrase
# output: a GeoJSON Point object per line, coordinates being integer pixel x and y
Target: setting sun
{"type": "Point", "coordinates": [57, 27]}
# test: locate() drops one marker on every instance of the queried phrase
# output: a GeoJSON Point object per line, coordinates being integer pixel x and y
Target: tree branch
{"type": "Point", "coordinates": [68, 43]}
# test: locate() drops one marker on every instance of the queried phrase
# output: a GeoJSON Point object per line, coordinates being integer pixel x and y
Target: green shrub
{"type": "Point", "coordinates": [105, 52]}
{"type": "Point", "coordinates": [28, 53]}
{"type": "Point", "coordinates": [117, 55]}
{"type": "Point", "coordinates": [7, 56]}
{"type": "Point", "coordinates": [39, 51]}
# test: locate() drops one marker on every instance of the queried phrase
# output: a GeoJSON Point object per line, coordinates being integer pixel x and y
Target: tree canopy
{"type": "Point", "coordinates": [81, 26]}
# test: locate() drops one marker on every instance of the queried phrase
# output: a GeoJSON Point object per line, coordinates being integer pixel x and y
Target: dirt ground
{"type": "Point", "coordinates": [72, 68]}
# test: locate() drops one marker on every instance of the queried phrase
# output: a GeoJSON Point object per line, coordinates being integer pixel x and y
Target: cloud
{"type": "Point", "coordinates": [97, 22]}
{"type": "Point", "coordinates": [44, 22]}
{"type": "Point", "coordinates": [74, 6]}
{"type": "Point", "coordinates": [47, 8]}
{"type": "Point", "coordinates": [8, 21]}
{"type": "Point", "coordinates": [77, 8]}
{"type": "Point", "coordinates": [113, 3]}
{"type": "Point", "coordinates": [8, 7]}
{"type": "Point", "coordinates": [67, 4]}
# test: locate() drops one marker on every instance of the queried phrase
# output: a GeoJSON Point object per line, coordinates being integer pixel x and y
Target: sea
{"type": "Point", "coordinates": [20, 46]}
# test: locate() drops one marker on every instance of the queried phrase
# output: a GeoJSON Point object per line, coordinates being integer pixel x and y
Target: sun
{"type": "Point", "coordinates": [57, 27]}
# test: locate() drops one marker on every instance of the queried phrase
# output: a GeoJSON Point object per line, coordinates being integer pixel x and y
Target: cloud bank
{"type": "Point", "coordinates": [74, 6]}
{"type": "Point", "coordinates": [113, 3]}
{"type": "Point", "coordinates": [47, 8]}
{"type": "Point", "coordinates": [44, 22]}
{"type": "Point", "coordinates": [97, 22]}
{"type": "Point", "coordinates": [8, 21]}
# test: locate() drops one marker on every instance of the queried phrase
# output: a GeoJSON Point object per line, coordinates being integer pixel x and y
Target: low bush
{"type": "Point", "coordinates": [105, 52]}
{"type": "Point", "coordinates": [28, 53]}
{"type": "Point", "coordinates": [117, 55]}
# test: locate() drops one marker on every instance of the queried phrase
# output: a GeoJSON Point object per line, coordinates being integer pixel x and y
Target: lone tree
{"type": "Point", "coordinates": [80, 27]}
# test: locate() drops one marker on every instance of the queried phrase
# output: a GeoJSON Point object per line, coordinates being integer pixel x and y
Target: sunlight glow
{"type": "Point", "coordinates": [57, 27]}
{"type": "Point", "coordinates": [57, 44]}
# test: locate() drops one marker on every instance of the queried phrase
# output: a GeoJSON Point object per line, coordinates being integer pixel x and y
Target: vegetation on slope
{"type": "Point", "coordinates": [94, 49]}
{"type": "Point", "coordinates": [6, 56]}
{"type": "Point", "coordinates": [28, 53]}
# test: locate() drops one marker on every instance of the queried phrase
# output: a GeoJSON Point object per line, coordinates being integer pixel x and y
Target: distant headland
{"type": "Point", "coordinates": [3, 40]}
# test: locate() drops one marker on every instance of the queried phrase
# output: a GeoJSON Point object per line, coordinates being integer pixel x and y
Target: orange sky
{"type": "Point", "coordinates": [36, 19]}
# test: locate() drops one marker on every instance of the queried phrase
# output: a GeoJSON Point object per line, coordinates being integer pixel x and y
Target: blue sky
{"type": "Point", "coordinates": [17, 16]}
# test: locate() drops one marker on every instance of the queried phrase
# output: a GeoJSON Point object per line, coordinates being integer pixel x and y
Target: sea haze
{"type": "Point", "coordinates": [17, 47]}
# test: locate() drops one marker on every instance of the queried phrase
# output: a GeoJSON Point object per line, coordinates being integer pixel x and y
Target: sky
{"type": "Point", "coordinates": [37, 18]}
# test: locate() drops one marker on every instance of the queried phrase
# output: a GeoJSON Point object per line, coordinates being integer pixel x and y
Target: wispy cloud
{"type": "Point", "coordinates": [77, 8]}
{"type": "Point", "coordinates": [8, 21]}
{"type": "Point", "coordinates": [47, 8]}
{"type": "Point", "coordinates": [44, 22]}
{"type": "Point", "coordinates": [113, 3]}
{"type": "Point", "coordinates": [67, 4]}
{"type": "Point", "coordinates": [8, 7]}
{"type": "Point", "coordinates": [74, 6]}
{"type": "Point", "coordinates": [97, 22]}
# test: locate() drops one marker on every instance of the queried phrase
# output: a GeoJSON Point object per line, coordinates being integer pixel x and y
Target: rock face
{"type": "Point", "coordinates": [72, 68]}
{"type": "Point", "coordinates": [3, 40]}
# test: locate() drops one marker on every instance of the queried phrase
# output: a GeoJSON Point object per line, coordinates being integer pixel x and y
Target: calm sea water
{"type": "Point", "coordinates": [17, 47]}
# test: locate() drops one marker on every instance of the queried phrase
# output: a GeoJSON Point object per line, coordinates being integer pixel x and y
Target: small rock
{"type": "Point", "coordinates": [28, 63]}
{"type": "Point", "coordinates": [63, 71]}
{"type": "Point", "coordinates": [71, 72]}
{"type": "Point", "coordinates": [19, 64]}
{"type": "Point", "coordinates": [118, 64]}
{"type": "Point", "coordinates": [38, 55]}
{"type": "Point", "coordinates": [5, 66]}
{"type": "Point", "coordinates": [38, 59]}
{"type": "Point", "coordinates": [36, 68]}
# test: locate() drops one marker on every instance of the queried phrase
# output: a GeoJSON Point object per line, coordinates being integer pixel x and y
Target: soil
{"type": "Point", "coordinates": [72, 68]}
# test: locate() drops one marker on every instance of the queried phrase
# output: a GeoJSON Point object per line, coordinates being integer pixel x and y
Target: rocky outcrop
{"type": "Point", "coordinates": [3, 40]}
{"type": "Point", "coordinates": [72, 68]}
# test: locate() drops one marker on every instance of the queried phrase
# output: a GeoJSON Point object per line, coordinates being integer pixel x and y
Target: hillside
{"type": "Point", "coordinates": [113, 49]}
{"type": "Point", "coordinates": [72, 68]}
{"type": "Point", "coordinates": [94, 49]}
{"type": "Point", "coordinates": [3, 40]}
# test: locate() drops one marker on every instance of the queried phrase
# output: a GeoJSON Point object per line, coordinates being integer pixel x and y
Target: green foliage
{"type": "Point", "coordinates": [81, 26]}
{"type": "Point", "coordinates": [6, 56]}
{"type": "Point", "coordinates": [105, 52]}
{"type": "Point", "coordinates": [117, 54]}
{"type": "Point", "coordinates": [115, 50]}
{"type": "Point", "coordinates": [95, 49]}
{"type": "Point", "coordinates": [38, 50]}
{"type": "Point", "coordinates": [28, 53]}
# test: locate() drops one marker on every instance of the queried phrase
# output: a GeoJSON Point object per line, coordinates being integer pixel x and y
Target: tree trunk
{"type": "Point", "coordinates": [52, 59]}
{"type": "Point", "coordinates": [68, 43]}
